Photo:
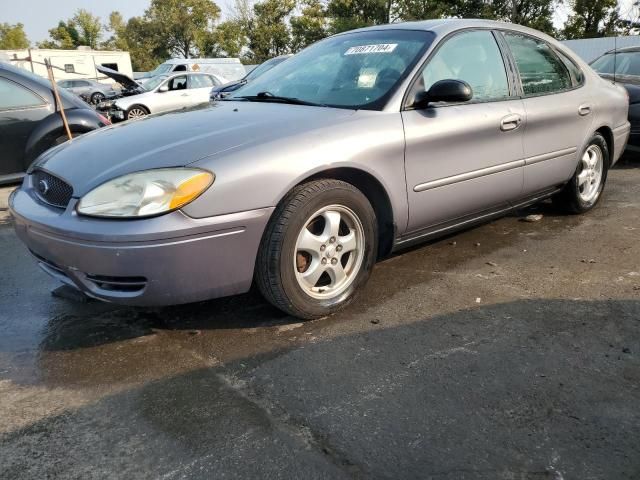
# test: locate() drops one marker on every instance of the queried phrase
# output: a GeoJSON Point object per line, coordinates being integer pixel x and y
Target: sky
{"type": "Point", "coordinates": [38, 16]}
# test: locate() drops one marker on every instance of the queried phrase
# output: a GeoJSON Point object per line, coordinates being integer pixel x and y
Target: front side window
{"type": "Point", "coordinates": [541, 71]}
{"type": "Point", "coordinates": [473, 57]}
{"type": "Point", "coordinates": [353, 70]}
{"type": "Point", "coordinates": [14, 96]}
{"type": "Point", "coordinates": [178, 83]}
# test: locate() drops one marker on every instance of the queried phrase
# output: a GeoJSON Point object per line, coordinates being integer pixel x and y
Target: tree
{"type": "Point", "coordinates": [229, 39]}
{"type": "Point", "coordinates": [536, 14]}
{"type": "Point", "coordinates": [349, 14]}
{"type": "Point", "coordinates": [181, 25]}
{"type": "Point", "coordinates": [118, 27]}
{"type": "Point", "coordinates": [268, 31]}
{"type": "Point", "coordinates": [64, 36]}
{"type": "Point", "coordinates": [310, 26]}
{"type": "Point", "coordinates": [81, 29]}
{"type": "Point", "coordinates": [592, 18]}
{"type": "Point", "coordinates": [88, 28]}
{"type": "Point", "coordinates": [12, 37]}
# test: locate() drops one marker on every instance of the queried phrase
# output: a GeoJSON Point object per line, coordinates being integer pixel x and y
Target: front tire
{"type": "Point", "coordinates": [96, 98]}
{"type": "Point", "coordinates": [136, 111]}
{"type": "Point", "coordinates": [585, 188]}
{"type": "Point", "coordinates": [318, 249]}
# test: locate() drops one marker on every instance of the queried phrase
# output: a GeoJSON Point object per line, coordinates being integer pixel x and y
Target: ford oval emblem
{"type": "Point", "coordinates": [43, 187]}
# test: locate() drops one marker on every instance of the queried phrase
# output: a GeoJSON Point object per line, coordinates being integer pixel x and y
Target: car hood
{"type": "Point", "coordinates": [121, 78]}
{"type": "Point", "coordinates": [178, 139]}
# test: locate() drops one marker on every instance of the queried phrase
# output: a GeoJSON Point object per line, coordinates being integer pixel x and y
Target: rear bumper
{"type": "Point", "coordinates": [620, 139]}
{"type": "Point", "coordinates": [166, 260]}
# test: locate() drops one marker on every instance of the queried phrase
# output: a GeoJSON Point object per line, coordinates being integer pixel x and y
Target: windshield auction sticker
{"type": "Point", "coordinates": [366, 49]}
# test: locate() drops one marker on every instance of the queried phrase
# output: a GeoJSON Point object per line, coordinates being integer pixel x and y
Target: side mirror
{"type": "Point", "coordinates": [451, 91]}
{"type": "Point", "coordinates": [163, 89]}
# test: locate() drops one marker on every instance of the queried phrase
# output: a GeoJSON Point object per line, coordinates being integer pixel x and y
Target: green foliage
{"type": "Point", "coordinates": [268, 31]}
{"type": "Point", "coordinates": [181, 25]}
{"type": "Point", "coordinates": [592, 18]}
{"type": "Point", "coordinates": [12, 37]}
{"type": "Point", "coordinates": [227, 40]}
{"type": "Point", "coordinates": [88, 28]}
{"type": "Point", "coordinates": [349, 14]}
{"type": "Point", "coordinates": [310, 26]}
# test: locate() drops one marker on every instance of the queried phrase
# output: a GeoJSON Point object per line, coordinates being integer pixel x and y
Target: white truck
{"type": "Point", "coordinates": [229, 68]}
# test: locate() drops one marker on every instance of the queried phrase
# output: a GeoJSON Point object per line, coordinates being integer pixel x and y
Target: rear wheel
{"type": "Point", "coordinates": [137, 111]}
{"type": "Point", "coordinates": [585, 188]}
{"type": "Point", "coordinates": [318, 249]}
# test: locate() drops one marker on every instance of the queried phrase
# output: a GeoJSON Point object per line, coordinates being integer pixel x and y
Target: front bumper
{"type": "Point", "coordinates": [166, 260]}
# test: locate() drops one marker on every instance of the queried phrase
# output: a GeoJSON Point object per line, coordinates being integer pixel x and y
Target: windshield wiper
{"type": "Point", "coordinates": [269, 97]}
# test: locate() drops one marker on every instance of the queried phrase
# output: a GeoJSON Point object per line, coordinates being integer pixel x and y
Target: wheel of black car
{"type": "Point", "coordinates": [585, 188]}
{"type": "Point", "coordinates": [96, 98]}
{"type": "Point", "coordinates": [136, 111]}
{"type": "Point", "coordinates": [318, 249]}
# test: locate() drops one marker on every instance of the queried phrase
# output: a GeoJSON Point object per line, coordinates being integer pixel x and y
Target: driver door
{"type": "Point", "coordinates": [464, 159]}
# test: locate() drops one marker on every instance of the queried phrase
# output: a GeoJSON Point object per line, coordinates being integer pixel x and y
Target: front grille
{"type": "Point", "coordinates": [51, 189]}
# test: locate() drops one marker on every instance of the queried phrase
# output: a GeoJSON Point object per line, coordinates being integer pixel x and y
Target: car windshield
{"type": "Point", "coordinates": [160, 69]}
{"type": "Point", "coordinates": [152, 83]}
{"type": "Point", "coordinates": [264, 68]}
{"type": "Point", "coordinates": [355, 70]}
{"type": "Point", "coordinates": [624, 63]}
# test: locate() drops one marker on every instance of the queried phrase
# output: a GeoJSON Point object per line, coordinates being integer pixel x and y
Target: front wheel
{"type": "Point", "coordinates": [318, 249]}
{"type": "Point", "coordinates": [97, 97]}
{"type": "Point", "coordinates": [137, 111]}
{"type": "Point", "coordinates": [585, 188]}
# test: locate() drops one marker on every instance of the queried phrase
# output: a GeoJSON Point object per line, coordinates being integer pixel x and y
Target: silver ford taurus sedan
{"type": "Point", "coordinates": [360, 145]}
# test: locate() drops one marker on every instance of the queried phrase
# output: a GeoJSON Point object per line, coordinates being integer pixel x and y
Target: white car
{"type": "Point", "coordinates": [164, 94]}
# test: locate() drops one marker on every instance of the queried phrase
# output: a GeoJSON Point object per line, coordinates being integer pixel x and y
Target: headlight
{"type": "Point", "coordinates": [106, 104]}
{"type": "Point", "coordinates": [147, 193]}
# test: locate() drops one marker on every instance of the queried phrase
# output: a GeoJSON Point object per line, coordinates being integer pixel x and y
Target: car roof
{"type": "Point", "coordinates": [623, 50]}
{"type": "Point", "coordinates": [447, 25]}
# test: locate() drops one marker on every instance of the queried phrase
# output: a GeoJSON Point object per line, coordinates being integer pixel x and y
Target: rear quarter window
{"type": "Point", "coordinates": [14, 96]}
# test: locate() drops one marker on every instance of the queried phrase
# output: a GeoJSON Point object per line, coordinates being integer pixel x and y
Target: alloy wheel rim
{"type": "Point", "coordinates": [590, 177]}
{"type": "Point", "coordinates": [97, 98]}
{"type": "Point", "coordinates": [329, 252]}
{"type": "Point", "coordinates": [136, 113]}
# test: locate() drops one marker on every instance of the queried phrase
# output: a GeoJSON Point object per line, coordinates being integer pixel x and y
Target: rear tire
{"type": "Point", "coordinates": [585, 188]}
{"type": "Point", "coordinates": [318, 249]}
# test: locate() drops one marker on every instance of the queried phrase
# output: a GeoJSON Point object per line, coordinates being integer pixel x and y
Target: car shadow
{"type": "Point", "coordinates": [525, 389]}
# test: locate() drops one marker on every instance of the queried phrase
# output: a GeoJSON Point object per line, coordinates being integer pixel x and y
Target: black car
{"type": "Point", "coordinates": [223, 90]}
{"type": "Point", "coordinates": [623, 66]}
{"type": "Point", "coordinates": [30, 120]}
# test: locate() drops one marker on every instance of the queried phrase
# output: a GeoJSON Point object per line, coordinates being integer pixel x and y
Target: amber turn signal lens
{"type": "Point", "coordinates": [190, 189]}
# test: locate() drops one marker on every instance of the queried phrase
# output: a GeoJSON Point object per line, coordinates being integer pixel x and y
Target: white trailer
{"type": "Point", "coordinates": [70, 64]}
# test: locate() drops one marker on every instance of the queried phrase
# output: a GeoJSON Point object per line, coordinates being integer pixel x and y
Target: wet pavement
{"type": "Point", "coordinates": [510, 351]}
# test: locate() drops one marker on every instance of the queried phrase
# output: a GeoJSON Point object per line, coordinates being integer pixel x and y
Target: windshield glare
{"type": "Point", "coordinates": [356, 70]}
{"type": "Point", "coordinates": [625, 63]}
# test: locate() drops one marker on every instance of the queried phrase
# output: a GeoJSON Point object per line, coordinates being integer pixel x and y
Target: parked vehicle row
{"type": "Point", "coordinates": [224, 90]}
{"type": "Point", "coordinates": [362, 144]}
{"type": "Point", "coordinates": [159, 94]}
{"type": "Point", "coordinates": [90, 91]}
{"type": "Point", "coordinates": [623, 66]}
{"type": "Point", "coordinates": [30, 122]}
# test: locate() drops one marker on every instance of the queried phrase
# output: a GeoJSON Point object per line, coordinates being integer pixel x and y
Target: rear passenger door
{"type": "Point", "coordinates": [465, 159]}
{"type": "Point", "coordinates": [200, 86]}
{"type": "Point", "coordinates": [559, 112]}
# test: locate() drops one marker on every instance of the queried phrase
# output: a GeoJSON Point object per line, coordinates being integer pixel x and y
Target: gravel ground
{"type": "Point", "coordinates": [510, 351]}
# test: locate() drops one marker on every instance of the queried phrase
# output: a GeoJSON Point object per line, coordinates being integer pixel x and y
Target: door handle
{"type": "Point", "coordinates": [510, 122]}
{"type": "Point", "coordinates": [584, 110]}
